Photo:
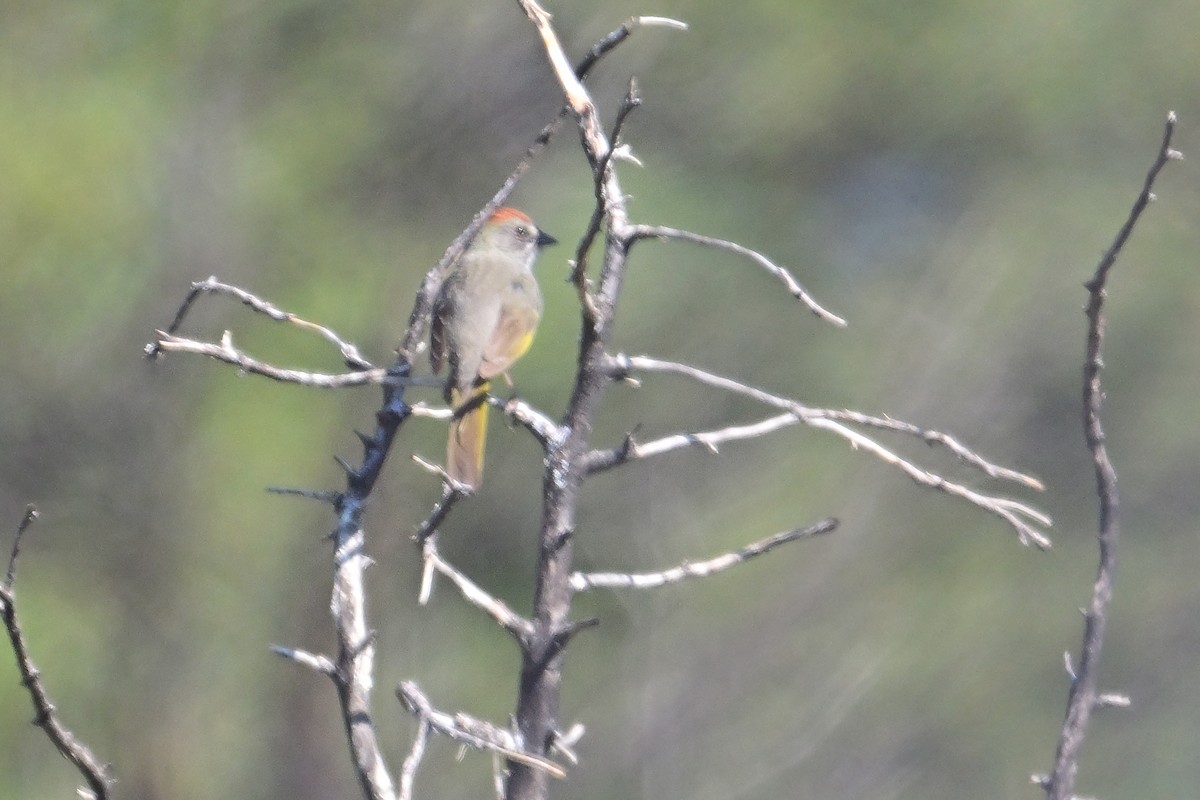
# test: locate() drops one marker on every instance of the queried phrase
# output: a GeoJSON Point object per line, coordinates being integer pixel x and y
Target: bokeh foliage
{"type": "Point", "coordinates": [942, 174]}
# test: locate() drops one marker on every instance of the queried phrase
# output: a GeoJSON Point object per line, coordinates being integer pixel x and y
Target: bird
{"type": "Point", "coordinates": [484, 317]}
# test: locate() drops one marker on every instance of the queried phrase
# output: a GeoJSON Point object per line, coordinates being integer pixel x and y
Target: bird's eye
{"type": "Point", "coordinates": [522, 232]}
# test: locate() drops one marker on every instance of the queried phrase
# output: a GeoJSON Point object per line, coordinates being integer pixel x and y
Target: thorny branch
{"type": "Point", "coordinates": [95, 773]}
{"type": "Point", "coordinates": [1084, 697]}
{"type": "Point", "coordinates": [352, 667]}
{"type": "Point", "coordinates": [544, 636]}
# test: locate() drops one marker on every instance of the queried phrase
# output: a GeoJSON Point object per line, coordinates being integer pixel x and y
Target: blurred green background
{"type": "Point", "coordinates": [944, 175]}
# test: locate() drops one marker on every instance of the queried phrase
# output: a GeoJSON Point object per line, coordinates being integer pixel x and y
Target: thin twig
{"type": "Point", "coordinates": [318, 663]}
{"type": "Point", "coordinates": [710, 441]}
{"type": "Point", "coordinates": [582, 581]}
{"type": "Point", "coordinates": [96, 774]}
{"type": "Point", "coordinates": [605, 45]}
{"type": "Point", "coordinates": [931, 438]}
{"type": "Point", "coordinates": [1018, 515]}
{"type": "Point", "coordinates": [1060, 784]}
{"type": "Point", "coordinates": [473, 732]}
{"type": "Point", "coordinates": [538, 423]}
{"type": "Point", "coordinates": [31, 513]}
{"type": "Point", "coordinates": [451, 484]}
{"type": "Point", "coordinates": [226, 352]}
{"type": "Point", "coordinates": [326, 496]}
{"type": "Point", "coordinates": [421, 409]}
{"type": "Point", "coordinates": [429, 525]}
{"type": "Point", "coordinates": [600, 176]}
{"type": "Point", "coordinates": [781, 273]}
{"type": "Point", "coordinates": [519, 627]}
{"type": "Point", "coordinates": [348, 351]}
{"type": "Point", "coordinates": [408, 770]}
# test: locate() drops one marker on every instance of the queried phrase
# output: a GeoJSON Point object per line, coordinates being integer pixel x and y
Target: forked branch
{"type": "Point", "coordinates": [1024, 519]}
{"type": "Point", "coordinates": [468, 730]}
{"type": "Point", "coordinates": [352, 667]}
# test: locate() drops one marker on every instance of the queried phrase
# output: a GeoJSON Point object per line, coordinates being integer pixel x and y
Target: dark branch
{"type": "Point", "coordinates": [1084, 697]}
{"type": "Point", "coordinates": [328, 496]}
{"type": "Point", "coordinates": [429, 526]}
{"type": "Point", "coordinates": [95, 773]}
{"type": "Point", "coordinates": [31, 513]}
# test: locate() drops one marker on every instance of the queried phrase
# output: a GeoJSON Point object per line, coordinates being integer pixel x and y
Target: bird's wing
{"type": "Point", "coordinates": [439, 344]}
{"type": "Point", "coordinates": [510, 340]}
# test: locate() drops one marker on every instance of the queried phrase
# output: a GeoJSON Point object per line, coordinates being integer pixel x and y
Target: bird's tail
{"type": "Point", "coordinates": [468, 435]}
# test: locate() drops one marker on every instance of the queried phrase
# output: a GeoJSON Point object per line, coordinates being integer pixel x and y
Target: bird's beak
{"type": "Point", "coordinates": [544, 239]}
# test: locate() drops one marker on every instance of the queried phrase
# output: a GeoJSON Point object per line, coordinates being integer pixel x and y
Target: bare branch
{"type": "Point", "coordinates": [605, 45]}
{"type": "Point", "coordinates": [583, 581]}
{"type": "Point", "coordinates": [356, 664]}
{"type": "Point", "coordinates": [457, 487]}
{"type": "Point", "coordinates": [1018, 515]}
{"type": "Point", "coordinates": [408, 771]}
{"type": "Point", "coordinates": [520, 628]}
{"type": "Point", "coordinates": [432, 412]}
{"type": "Point", "coordinates": [782, 274]}
{"type": "Point", "coordinates": [1113, 700]}
{"type": "Point", "coordinates": [353, 666]}
{"type": "Point", "coordinates": [96, 774]}
{"type": "Point", "coordinates": [1084, 698]}
{"type": "Point", "coordinates": [226, 352]}
{"type": "Point", "coordinates": [473, 732]}
{"type": "Point", "coordinates": [31, 513]}
{"type": "Point", "coordinates": [538, 423]}
{"type": "Point", "coordinates": [450, 496]}
{"type": "Point", "coordinates": [316, 662]}
{"type": "Point", "coordinates": [932, 437]}
{"type": "Point", "coordinates": [348, 351]}
{"type": "Point", "coordinates": [600, 176]}
{"type": "Point", "coordinates": [564, 743]}
{"type": "Point", "coordinates": [632, 450]}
